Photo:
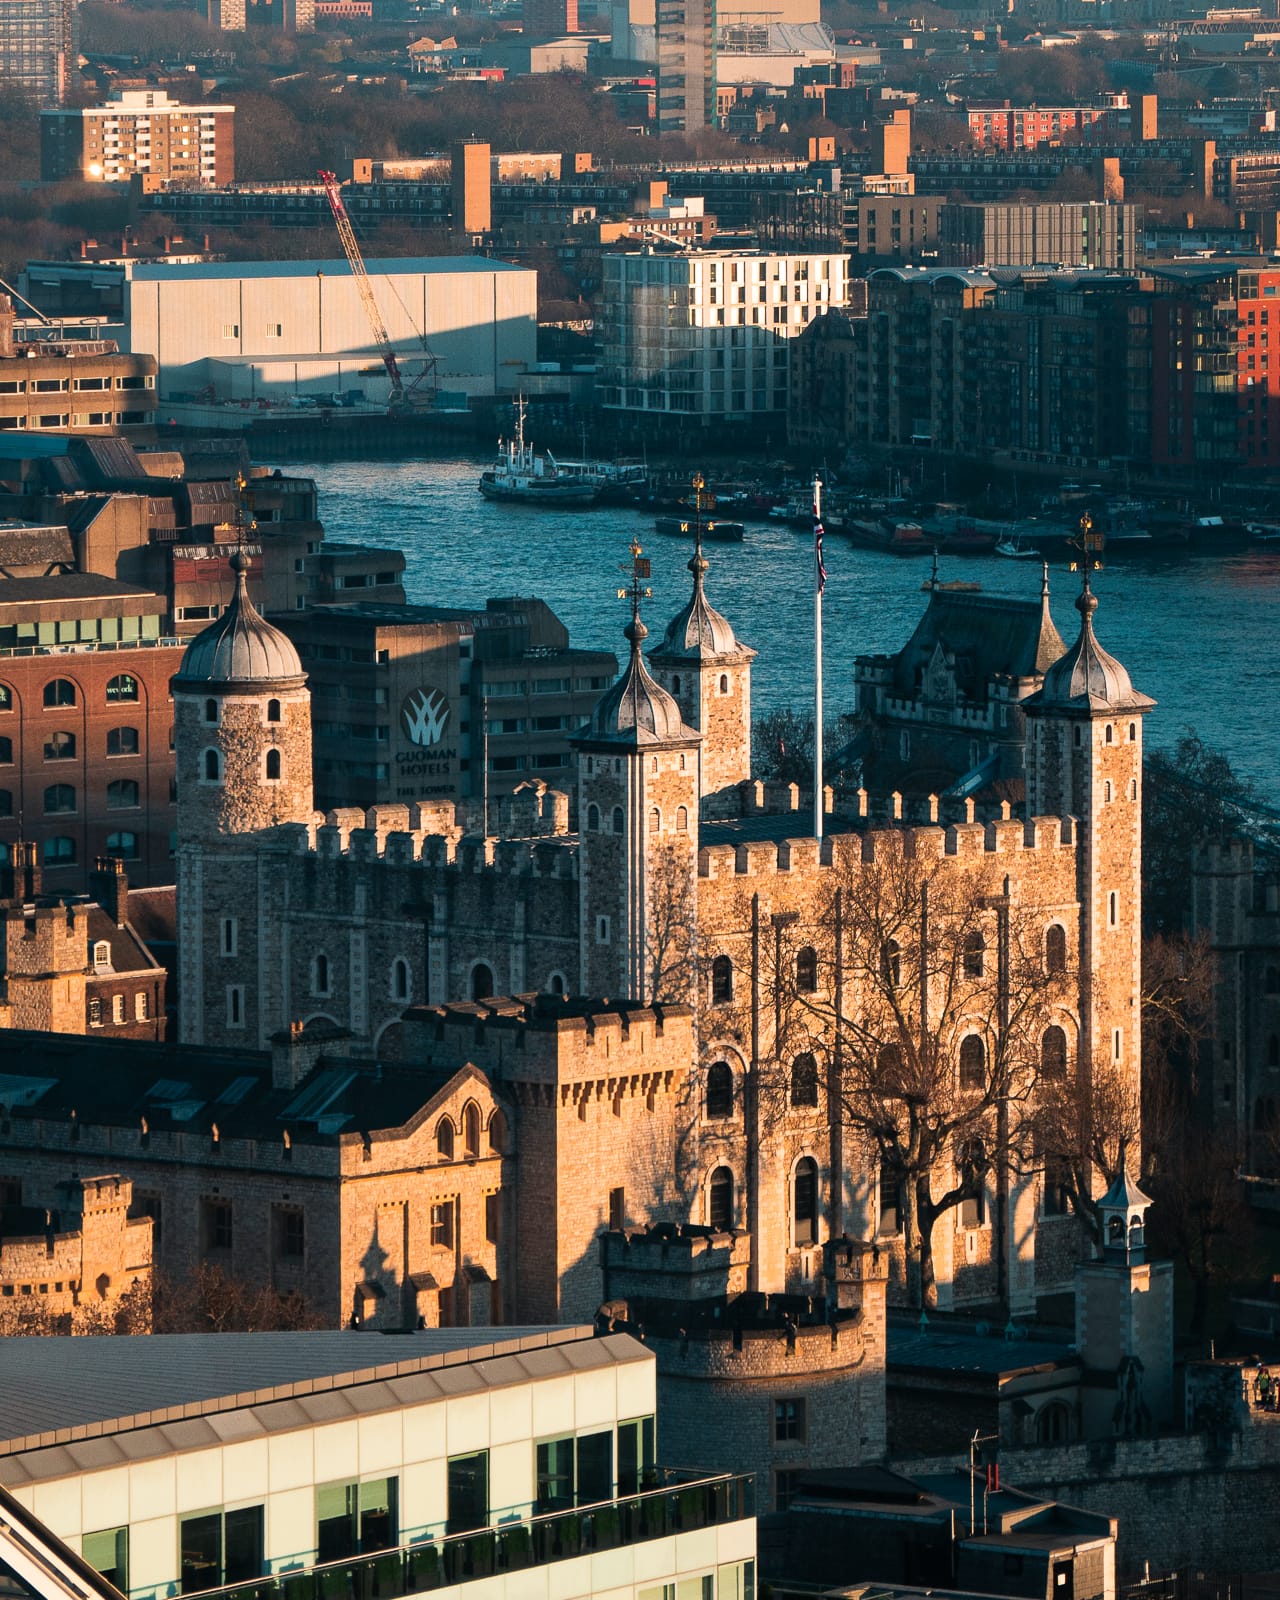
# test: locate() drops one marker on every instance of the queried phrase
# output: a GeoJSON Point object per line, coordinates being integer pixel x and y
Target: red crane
{"type": "Point", "coordinates": [402, 398]}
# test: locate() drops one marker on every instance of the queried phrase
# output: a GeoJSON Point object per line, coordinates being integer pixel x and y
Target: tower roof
{"type": "Point", "coordinates": [637, 710]}
{"type": "Point", "coordinates": [241, 647]}
{"type": "Point", "coordinates": [1088, 679]}
{"type": "Point", "coordinates": [699, 632]}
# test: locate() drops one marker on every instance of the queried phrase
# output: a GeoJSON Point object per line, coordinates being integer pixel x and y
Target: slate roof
{"type": "Point", "coordinates": [27, 544]}
{"type": "Point", "coordinates": [188, 1088]}
{"type": "Point", "coordinates": [990, 636]}
{"type": "Point", "coordinates": [128, 953]}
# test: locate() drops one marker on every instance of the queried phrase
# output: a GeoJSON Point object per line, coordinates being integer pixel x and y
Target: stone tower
{"type": "Point", "coordinates": [1124, 1322]}
{"type": "Point", "coordinates": [708, 672]}
{"type": "Point", "coordinates": [242, 748]}
{"type": "Point", "coordinates": [638, 816]}
{"type": "Point", "coordinates": [1084, 760]}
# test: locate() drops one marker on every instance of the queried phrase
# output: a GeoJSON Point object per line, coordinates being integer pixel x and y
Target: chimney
{"type": "Point", "coordinates": [295, 1053]}
{"type": "Point", "coordinates": [110, 888]}
{"type": "Point", "coordinates": [7, 346]}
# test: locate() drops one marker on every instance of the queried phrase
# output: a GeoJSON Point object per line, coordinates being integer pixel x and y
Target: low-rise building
{"type": "Point", "coordinates": [139, 130]}
{"type": "Point", "coordinates": [53, 384]}
{"type": "Point", "coordinates": [476, 1464]}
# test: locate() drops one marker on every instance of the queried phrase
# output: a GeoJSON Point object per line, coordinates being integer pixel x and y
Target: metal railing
{"type": "Point", "coordinates": [429, 1563]}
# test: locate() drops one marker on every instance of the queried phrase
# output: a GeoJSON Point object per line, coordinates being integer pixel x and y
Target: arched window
{"type": "Point", "coordinates": [1053, 1423]}
{"type": "Point", "coordinates": [498, 1133]}
{"type": "Point", "coordinates": [6, 697]}
{"type": "Point", "coordinates": [59, 797]}
{"type": "Point", "coordinates": [273, 766]}
{"type": "Point", "coordinates": [124, 686]}
{"type": "Point", "coordinates": [682, 819]}
{"type": "Point", "coordinates": [973, 1062]}
{"type": "Point", "coordinates": [724, 683]}
{"type": "Point", "coordinates": [101, 954]}
{"type": "Point", "coordinates": [807, 969]}
{"type": "Point", "coordinates": [719, 1090]}
{"type": "Point", "coordinates": [1109, 735]}
{"type": "Point", "coordinates": [320, 975]}
{"type": "Point", "coordinates": [805, 1201]}
{"type": "Point", "coordinates": [617, 819]}
{"type": "Point", "coordinates": [655, 820]}
{"type": "Point", "coordinates": [481, 981]}
{"type": "Point", "coordinates": [123, 845]}
{"type": "Point", "coordinates": [122, 794]}
{"type": "Point", "coordinates": [444, 1139]}
{"type": "Point", "coordinates": [1133, 730]}
{"type": "Point", "coordinates": [6, 752]}
{"type": "Point", "coordinates": [123, 742]}
{"type": "Point", "coordinates": [721, 981]}
{"type": "Point", "coordinates": [890, 963]}
{"type": "Point", "coordinates": [975, 949]}
{"type": "Point", "coordinates": [1106, 790]}
{"type": "Point", "coordinates": [1055, 948]}
{"type": "Point", "coordinates": [593, 819]}
{"type": "Point", "coordinates": [58, 692]}
{"type": "Point", "coordinates": [60, 747]}
{"type": "Point", "coordinates": [211, 711]}
{"type": "Point", "coordinates": [60, 852]}
{"type": "Point", "coordinates": [273, 711]}
{"type": "Point", "coordinates": [720, 1200]}
{"type": "Point", "coordinates": [400, 979]}
{"type": "Point", "coordinates": [212, 766]}
{"type": "Point", "coordinates": [1053, 1054]}
{"type": "Point", "coordinates": [471, 1129]}
{"type": "Point", "coordinates": [555, 983]}
{"type": "Point", "coordinates": [804, 1080]}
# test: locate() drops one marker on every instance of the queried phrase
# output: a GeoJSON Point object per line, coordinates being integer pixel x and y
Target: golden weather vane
{"type": "Point", "coordinates": [638, 570]}
{"type": "Point", "coordinates": [1089, 542]}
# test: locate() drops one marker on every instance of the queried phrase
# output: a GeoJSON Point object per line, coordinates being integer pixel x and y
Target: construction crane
{"type": "Point", "coordinates": [402, 398]}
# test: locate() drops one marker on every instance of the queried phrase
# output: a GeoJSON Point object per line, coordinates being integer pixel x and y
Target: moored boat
{"type": "Point", "coordinates": [899, 535]}
{"type": "Point", "coordinates": [523, 476]}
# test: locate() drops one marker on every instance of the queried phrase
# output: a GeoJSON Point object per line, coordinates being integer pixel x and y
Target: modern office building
{"type": "Point", "coordinates": [248, 330]}
{"type": "Point", "coordinates": [686, 51]}
{"type": "Point", "coordinates": [512, 1463]}
{"type": "Point", "coordinates": [39, 45]}
{"type": "Point", "coordinates": [139, 130]}
{"type": "Point", "coordinates": [705, 334]}
{"type": "Point", "coordinates": [1095, 234]}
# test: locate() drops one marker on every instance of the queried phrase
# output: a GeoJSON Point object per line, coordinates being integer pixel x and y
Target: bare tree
{"type": "Point", "coordinates": [921, 1005]}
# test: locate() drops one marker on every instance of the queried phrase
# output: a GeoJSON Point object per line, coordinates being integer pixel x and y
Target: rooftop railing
{"type": "Point", "coordinates": [428, 1563]}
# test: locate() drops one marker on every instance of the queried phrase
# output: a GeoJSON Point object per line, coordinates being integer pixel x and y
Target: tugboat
{"type": "Point", "coordinates": [521, 475]}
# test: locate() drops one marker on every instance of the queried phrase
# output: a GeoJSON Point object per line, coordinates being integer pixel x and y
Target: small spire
{"type": "Point", "coordinates": [638, 569]}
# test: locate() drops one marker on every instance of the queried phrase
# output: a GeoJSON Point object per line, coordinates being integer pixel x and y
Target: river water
{"type": "Point", "coordinates": [1197, 633]}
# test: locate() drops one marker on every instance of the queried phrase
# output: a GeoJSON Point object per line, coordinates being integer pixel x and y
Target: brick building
{"type": "Point", "coordinates": [52, 384]}
{"type": "Point", "coordinates": [1006, 127]}
{"type": "Point", "coordinates": [686, 882]}
{"type": "Point", "coordinates": [139, 130]}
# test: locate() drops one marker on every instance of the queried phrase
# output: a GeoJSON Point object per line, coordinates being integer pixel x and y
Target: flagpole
{"type": "Point", "coordinates": [819, 577]}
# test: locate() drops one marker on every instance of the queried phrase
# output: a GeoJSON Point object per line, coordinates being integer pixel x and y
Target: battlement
{"type": "Point", "coordinates": [1002, 835]}
{"type": "Point", "coordinates": [407, 835]}
{"type": "Point", "coordinates": [552, 1038]}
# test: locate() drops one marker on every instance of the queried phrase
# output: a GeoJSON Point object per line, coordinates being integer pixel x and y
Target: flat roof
{"type": "Point", "coordinates": [60, 1392]}
{"type": "Point", "coordinates": [72, 586]}
{"type": "Point", "coordinates": [381, 267]}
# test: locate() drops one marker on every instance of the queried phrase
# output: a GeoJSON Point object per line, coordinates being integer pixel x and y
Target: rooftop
{"type": "Point", "coordinates": [398, 267]}
{"type": "Point", "coordinates": [61, 1391]}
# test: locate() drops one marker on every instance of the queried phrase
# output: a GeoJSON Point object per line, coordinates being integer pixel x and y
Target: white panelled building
{"type": "Point", "coordinates": [263, 330]}
{"type": "Point", "coordinates": [705, 333]}
{"type": "Point", "coordinates": [511, 1464]}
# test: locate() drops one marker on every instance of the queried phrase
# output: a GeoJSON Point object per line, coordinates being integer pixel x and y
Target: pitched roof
{"type": "Point", "coordinates": [989, 636]}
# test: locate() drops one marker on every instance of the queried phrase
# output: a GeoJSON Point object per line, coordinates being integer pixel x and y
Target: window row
{"type": "Point", "coordinates": [60, 799]}
{"type": "Point", "coordinates": [61, 746]}
{"type": "Point", "coordinates": [213, 712]}
{"type": "Point", "coordinates": [212, 766]}
{"type": "Point", "coordinates": [63, 851]}
{"type": "Point", "coordinates": [121, 689]}
{"type": "Point", "coordinates": [469, 1127]}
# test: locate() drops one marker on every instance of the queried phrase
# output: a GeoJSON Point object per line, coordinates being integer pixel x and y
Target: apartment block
{"type": "Point", "coordinates": [139, 130]}
{"type": "Point", "coordinates": [705, 334]}
{"type": "Point", "coordinates": [1096, 234]}
{"type": "Point", "coordinates": [39, 47]}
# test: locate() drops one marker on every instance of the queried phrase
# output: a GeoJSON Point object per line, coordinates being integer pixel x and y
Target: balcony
{"type": "Point", "coordinates": [428, 1563]}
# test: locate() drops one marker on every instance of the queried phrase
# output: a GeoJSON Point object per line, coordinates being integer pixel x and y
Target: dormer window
{"type": "Point", "coordinates": [101, 955]}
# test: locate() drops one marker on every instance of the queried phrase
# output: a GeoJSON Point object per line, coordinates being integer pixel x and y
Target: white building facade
{"type": "Point", "coordinates": [499, 1464]}
{"type": "Point", "coordinates": [705, 333]}
{"type": "Point", "coordinates": [244, 330]}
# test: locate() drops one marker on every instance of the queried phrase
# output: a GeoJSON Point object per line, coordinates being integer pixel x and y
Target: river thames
{"type": "Point", "coordinates": [1197, 633]}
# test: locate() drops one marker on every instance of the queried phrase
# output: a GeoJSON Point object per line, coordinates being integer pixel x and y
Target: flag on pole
{"type": "Point", "coordinates": [817, 548]}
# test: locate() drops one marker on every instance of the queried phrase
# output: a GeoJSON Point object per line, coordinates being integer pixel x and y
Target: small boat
{"type": "Point", "coordinates": [948, 585]}
{"type": "Point", "coordinates": [899, 535]}
{"type": "Point", "coordinates": [713, 528]}
{"type": "Point", "coordinates": [521, 475]}
{"type": "Point", "coordinates": [1014, 549]}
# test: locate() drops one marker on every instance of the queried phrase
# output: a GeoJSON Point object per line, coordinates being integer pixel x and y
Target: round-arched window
{"type": "Point", "coordinates": [719, 1090]}
{"type": "Point", "coordinates": [481, 981]}
{"type": "Point", "coordinates": [444, 1139]}
{"type": "Point", "coordinates": [973, 1062]}
{"type": "Point", "coordinates": [720, 1200]}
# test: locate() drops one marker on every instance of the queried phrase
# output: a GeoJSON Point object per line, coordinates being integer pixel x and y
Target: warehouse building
{"type": "Point", "coordinates": [267, 330]}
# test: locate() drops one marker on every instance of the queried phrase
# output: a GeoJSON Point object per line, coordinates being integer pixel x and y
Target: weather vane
{"type": "Point", "coordinates": [638, 569]}
{"type": "Point", "coordinates": [1089, 543]}
{"type": "Point", "coordinates": [245, 522]}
